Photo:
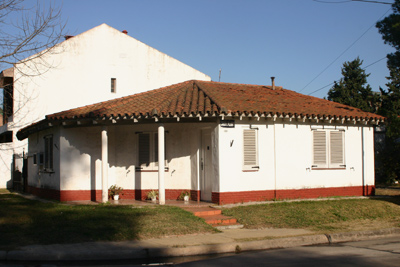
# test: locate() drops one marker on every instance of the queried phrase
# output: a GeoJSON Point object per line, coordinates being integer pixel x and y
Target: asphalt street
{"type": "Point", "coordinates": [375, 252]}
{"type": "Point", "coordinates": [378, 252]}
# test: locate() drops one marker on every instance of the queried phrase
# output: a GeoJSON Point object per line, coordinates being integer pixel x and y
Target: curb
{"type": "Point", "coordinates": [362, 235]}
{"type": "Point", "coordinates": [100, 252]}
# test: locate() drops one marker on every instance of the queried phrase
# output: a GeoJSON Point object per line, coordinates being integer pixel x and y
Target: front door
{"type": "Point", "coordinates": [206, 166]}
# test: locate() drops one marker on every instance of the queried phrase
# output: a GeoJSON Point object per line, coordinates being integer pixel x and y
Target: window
{"type": "Point", "coordinates": [113, 85]}
{"type": "Point", "coordinates": [250, 153]}
{"type": "Point", "coordinates": [48, 153]}
{"type": "Point", "coordinates": [6, 137]}
{"type": "Point", "coordinates": [328, 149]}
{"type": "Point", "coordinates": [148, 151]}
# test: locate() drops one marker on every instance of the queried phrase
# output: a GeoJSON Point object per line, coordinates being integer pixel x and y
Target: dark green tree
{"type": "Point", "coordinates": [389, 27]}
{"type": "Point", "coordinates": [388, 168]}
{"type": "Point", "coordinates": [352, 89]}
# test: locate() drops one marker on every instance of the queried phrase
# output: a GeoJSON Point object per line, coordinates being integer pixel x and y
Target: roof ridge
{"type": "Point", "coordinates": [207, 95]}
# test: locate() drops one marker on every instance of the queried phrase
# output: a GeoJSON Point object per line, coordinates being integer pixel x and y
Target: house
{"type": "Point", "coordinates": [100, 64]}
{"type": "Point", "coordinates": [224, 142]}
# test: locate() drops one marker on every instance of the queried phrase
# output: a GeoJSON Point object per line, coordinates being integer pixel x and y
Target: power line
{"type": "Point", "coordinates": [344, 51]}
{"type": "Point", "coordinates": [336, 81]}
{"type": "Point", "coordinates": [374, 2]}
{"type": "Point", "coordinates": [348, 1]}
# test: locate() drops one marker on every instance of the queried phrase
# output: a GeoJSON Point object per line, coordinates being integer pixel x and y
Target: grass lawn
{"type": "Point", "coordinates": [24, 222]}
{"type": "Point", "coordinates": [322, 216]}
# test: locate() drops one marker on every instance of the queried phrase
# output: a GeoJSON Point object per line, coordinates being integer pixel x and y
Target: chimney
{"type": "Point", "coordinates": [125, 31]}
{"type": "Point", "coordinates": [273, 83]}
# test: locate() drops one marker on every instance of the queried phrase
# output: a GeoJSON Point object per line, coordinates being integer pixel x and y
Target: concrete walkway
{"type": "Point", "coordinates": [229, 241]}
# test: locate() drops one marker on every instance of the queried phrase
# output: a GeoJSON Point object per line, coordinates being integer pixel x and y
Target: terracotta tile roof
{"type": "Point", "coordinates": [203, 97]}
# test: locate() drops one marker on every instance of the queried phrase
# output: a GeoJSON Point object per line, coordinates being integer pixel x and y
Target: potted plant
{"type": "Point", "coordinates": [114, 191]}
{"type": "Point", "coordinates": [152, 195]}
{"type": "Point", "coordinates": [185, 196]}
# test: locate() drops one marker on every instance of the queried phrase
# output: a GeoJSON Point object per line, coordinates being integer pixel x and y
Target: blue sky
{"type": "Point", "coordinates": [252, 40]}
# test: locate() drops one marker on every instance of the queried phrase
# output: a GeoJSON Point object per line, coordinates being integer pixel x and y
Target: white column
{"type": "Point", "coordinates": [161, 164]}
{"type": "Point", "coordinates": [104, 165]}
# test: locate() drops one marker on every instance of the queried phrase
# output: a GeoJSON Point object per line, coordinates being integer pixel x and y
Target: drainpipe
{"type": "Point", "coordinates": [161, 164]}
{"type": "Point", "coordinates": [104, 165]}
{"type": "Point", "coordinates": [362, 161]}
{"type": "Point", "coordinates": [275, 160]}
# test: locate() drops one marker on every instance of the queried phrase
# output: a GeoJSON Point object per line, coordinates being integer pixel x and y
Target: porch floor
{"type": "Point", "coordinates": [177, 203]}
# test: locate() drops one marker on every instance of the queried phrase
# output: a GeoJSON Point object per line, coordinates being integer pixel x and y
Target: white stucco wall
{"type": "Point", "coordinates": [285, 158]}
{"type": "Point", "coordinates": [79, 73]}
{"type": "Point", "coordinates": [80, 160]}
{"type": "Point", "coordinates": [38, 177]}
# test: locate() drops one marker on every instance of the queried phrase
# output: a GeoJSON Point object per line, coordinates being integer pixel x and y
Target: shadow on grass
{"type": "Point", "coordinates": [27, 222]}
{"type": "Point", "coordinates": [390, 199]}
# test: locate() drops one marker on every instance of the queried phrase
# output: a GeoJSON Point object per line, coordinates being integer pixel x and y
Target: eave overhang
{"type": "Point", "coordinates": [153, 117]}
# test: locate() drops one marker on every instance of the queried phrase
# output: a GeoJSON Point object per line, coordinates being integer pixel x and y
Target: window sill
{"type": "Point", "coordinates": [250, 170]}
{"type": "Point", "coordinates": [47, 171]}
{"type": "Point", "coordinates": [138, 170]}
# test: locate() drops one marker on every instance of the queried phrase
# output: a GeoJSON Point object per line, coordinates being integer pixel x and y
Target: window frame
{"type": "Point", "coordinates": [152, 154]}
{"type": "Point", "coordinates": [250, 164]}
{"type": "Point", "coordinates": [330, 147]}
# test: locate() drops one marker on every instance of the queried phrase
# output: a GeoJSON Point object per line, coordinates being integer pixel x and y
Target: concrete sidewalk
{"type": "Point", "coordinates": [232, 240]}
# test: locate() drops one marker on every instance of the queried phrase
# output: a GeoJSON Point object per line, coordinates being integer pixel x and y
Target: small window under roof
{"type": "Point", "coordinates": [113, 85]}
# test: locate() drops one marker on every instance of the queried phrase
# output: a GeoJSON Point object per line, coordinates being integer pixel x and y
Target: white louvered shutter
{"type": "Point", "coordinates": [336, 149]}
{"type": "Point", "coordinates": [144, 149]}
{"type": "Point", "coordinates": [250, 150]}
{"type": "Point", "coordinates": [319, 149]}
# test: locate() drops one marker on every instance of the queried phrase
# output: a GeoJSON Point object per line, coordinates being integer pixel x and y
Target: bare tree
{"type": "Point", "coordinates": [27, 31]}
{"type": "Point", "coordinates": [27, 34]}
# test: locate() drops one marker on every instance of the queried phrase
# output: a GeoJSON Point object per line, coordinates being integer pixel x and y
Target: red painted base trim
{"type": "Point", "coordinates": [222, 198]}
{"type": "Point", "coordinates": [195, 195]}
{"type": "Point", "coordinates": [95, 195]}
{"type": "Point", "coordinates": [43, 192]}
{"type": "Point", "coordinates": [217, 197]}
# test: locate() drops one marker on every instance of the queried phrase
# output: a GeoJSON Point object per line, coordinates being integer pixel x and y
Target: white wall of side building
{"type": "Point", "coordinates": [78, 72]}
{"type": "Point", "coordinates": [285, 155]}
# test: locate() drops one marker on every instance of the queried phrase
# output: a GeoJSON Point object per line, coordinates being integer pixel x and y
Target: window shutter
{"type": "Point", "coordinates": [250, 148]}
{"type": "Point", "coordinates": [144, 149]}
{"type": "Point", "coordinates": [48, 152]}
{"type": "Point", "coordinates": [113, 85]}
{"type": "Point", "coordinates": [319, 147]}
{"type": "Point", "coordinates": [336, 149]}
{"type": "Point", "coordinates": [51, 152]}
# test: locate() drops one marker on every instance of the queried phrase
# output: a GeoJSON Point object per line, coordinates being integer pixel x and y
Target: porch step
{"type": "Point", "coordinates": [214, 217]}
{"type": "Point", "coordinates": [218, 219]}
{"type": "Point", "coordinates": [227, 226]}
{"type": "Point", "coordinates": [203, 211]}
